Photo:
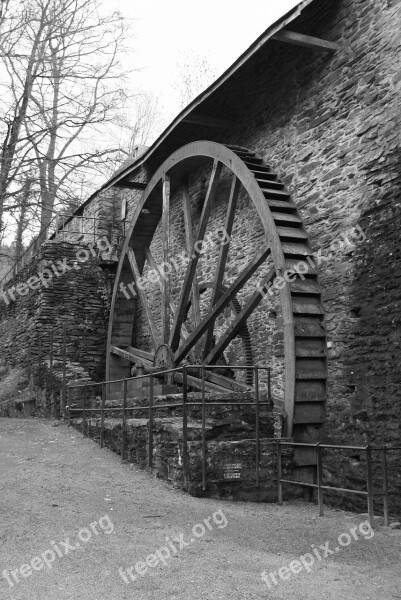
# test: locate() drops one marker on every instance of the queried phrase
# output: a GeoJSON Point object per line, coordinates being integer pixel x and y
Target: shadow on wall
{"type": "Point", "coordinates": [365, 398]}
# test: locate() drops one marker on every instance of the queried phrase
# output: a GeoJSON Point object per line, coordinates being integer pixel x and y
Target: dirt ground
{"type": "Point", "coordinates": [55, 484]}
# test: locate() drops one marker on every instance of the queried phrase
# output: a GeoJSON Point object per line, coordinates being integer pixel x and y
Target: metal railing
{"type": "Point", "coordinates": [185, 404]}
{"type": "Point", "coordinates": [369, 493]}
{"type": "Point", "coordinates": [57, 230]}
{"type": "Point", "coordinates": [319, 486]}
{"type": "Point", "coordinates": [28, 254]}
{"type": "Point", "coordinates": [385, 449]}
{"type": "Point", "coordinates": [42, 350]}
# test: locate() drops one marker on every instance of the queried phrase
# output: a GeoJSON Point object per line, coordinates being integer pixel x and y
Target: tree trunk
{"type": "Point", "coordinates": [23, 221]}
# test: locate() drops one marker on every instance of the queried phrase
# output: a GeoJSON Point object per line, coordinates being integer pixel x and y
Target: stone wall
{"type": "Point", "coordinates": [229, 434]}
{"type": "Point", "coordinates": [329, 125]}
{"type": "Point", "coordinates": [77, 298]}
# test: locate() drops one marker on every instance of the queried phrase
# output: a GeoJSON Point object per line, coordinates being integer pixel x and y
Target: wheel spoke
{"type": "Point", "coordinates": [142, 298]}
{"type": "Point", "coordinates": [165, 317]}
{"type": "Point", "coordinates": [225, 299]}
{"type": "Point", "coordinates": [153, 265]}
{"type": "Point", "coordinates": [189, 237]}
{"type": "Point", "coordinates": [239, 321]}
{"type": "Point", "coordinates": [191, 269]}
{"type": "Point", "coordinates": [222, 261]}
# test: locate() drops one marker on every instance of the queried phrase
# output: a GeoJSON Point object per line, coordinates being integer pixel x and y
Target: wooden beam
{"type": "Point", "coordinates": [234, 288]}
{"type": "Point", "coordinates": [166, 258]}
{"type": "Point", "coordinates": [142, 298]}
{"type": "Point", "coordinates": [133, 355]}
{"type": "Point", "coordinates": [141, 354]}
{"type": "Point", "coordinates": [191, 269]}
{"type": "Point", "coordinates": [131, 185]}
{"type": "Point", "coordinates": [153, 265]}
{"type": "Point", "coordinates": [225, 382]}
{"type": "Point", "coordinates": [235, 327]}
{"type": "Point", "coordinates": [299, 39]}
{"type": "Point", "coordinates": [214, 122]}
{"type": "Point", "coordinates": [196, 382]}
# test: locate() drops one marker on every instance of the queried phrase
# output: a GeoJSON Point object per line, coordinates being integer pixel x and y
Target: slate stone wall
{"type": "Point", "coordinates": [78, 297]}
{"type": "Point", "coordinates": [330, 126]}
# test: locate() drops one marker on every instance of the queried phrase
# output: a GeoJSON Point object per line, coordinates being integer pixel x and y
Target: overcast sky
{"type": "Point", "coordinates": [221, 30]}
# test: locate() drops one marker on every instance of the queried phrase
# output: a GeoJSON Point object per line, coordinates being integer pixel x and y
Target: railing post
{"type": "Point", "coordinates": [185, 425]}
{"type": "Point", "coordinates": [40, 360]}
{"type": "Point", "coordinates": [269, 387]}
{"type": "Point", "coordinates": [124, 432]}
{"type": "Point", "coordinates": [102, 414]}
{"type": "Point", "coordinates": [257, 426]}
{"type": "Point", "coordinates": [279, 484]}
{"type": "Point", "coordinates": [150, 432]}
{"type": "Point", "coordinates": [85, 391]}
{"type": "Point", "coordinates": [385, 486]}
{"type": "Point", "coordinates": [64, 389]}
{"type": "Point", "coordinates": [29, 359]}
{"type": "Point", "coordinates": [370, 484]}
{"type": "Point", "coordinates": [69, 406]}
{"type": "Point", "coordinates": [203, 430]}
{"type": "Point", "coordinates": [51, 371]}
{"type": "Point", "coordinates": [319, 479]}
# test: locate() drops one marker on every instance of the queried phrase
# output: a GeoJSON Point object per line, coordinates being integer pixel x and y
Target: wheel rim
{"type": "Point", "coordinates": [286, 243]}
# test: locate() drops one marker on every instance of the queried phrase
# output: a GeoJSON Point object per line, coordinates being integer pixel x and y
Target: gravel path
{"type": "Point", "coordinates": [55, 484]}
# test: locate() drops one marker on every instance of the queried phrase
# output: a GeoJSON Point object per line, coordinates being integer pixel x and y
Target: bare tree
{"type": "Point", "coordinates": [65, 84]}
{"type": "Point", "coordinates": [16, 94]}
{"type": "Point", "coordinates": [194, 74]}
{"type": "Point", "coordinates": [147, 120]}
{"type": "Point", "coordinates": [83, 89]}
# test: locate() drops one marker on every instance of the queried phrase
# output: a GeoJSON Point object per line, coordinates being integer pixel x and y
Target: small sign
{"type": "Point", "coordinates": [232, 471]}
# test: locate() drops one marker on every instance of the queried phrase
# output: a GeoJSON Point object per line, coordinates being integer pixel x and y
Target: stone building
{"type": "Point", "coordinates": [312, 110]}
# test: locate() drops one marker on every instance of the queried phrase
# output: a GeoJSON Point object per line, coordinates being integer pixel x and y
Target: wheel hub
{"type": "Point", "coordinates": [164, 357]}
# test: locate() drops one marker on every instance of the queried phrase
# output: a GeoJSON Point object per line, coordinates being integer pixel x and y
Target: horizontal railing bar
{"type": "Point", "coordinates": [232, 403]}
{"type": "Point", "coordinates": [322, 446]}
{"type": "Point", "coordinates": [84, 385]}
{"type": "Point", "coordinates": [296, 444]}
{"type": "Point", "coordinates": [100, 409]}
{"type": "Point", "coordinates": [335, 447]}
{"type": "Point", "coordinates": [312, 485]}
{"type": "Point", "coordinates": [241, 367]}
{"type": "Point", "coordinates": [176, 369]}
{"type": "Point", "coordinates": [148, 375]}
{"type": "Point", "coordinates": [324, 487]}
{"type": "Point", "coordinates": [175, 405]}
{"type": "Point", "coordinates": [336, 489]}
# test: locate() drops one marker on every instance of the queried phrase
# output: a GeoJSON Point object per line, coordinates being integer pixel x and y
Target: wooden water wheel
{"type": "Point", "coordinates": [234, 220]}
